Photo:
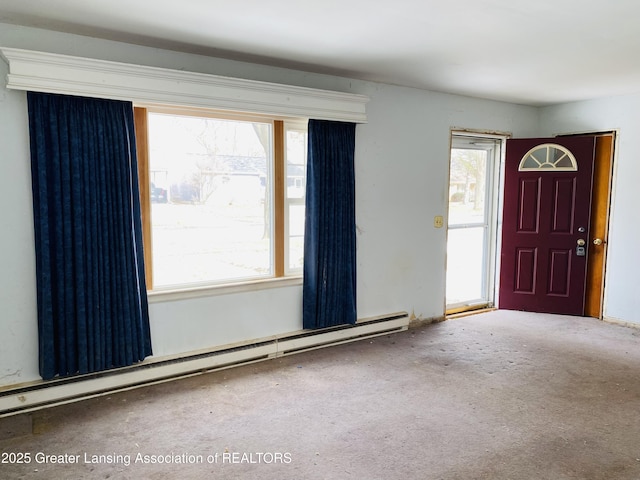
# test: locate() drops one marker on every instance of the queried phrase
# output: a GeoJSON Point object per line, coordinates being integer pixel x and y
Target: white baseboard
{"type": "Point", "coordinates": [617, 321]}
{"type": "Point", "coordinates": [56, 392]}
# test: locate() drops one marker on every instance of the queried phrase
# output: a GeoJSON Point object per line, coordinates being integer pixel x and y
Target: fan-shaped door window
{"type": "Point", "coordinates": [548, 156]}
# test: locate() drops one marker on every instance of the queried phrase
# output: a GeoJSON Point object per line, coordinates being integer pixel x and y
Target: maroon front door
{"type": "Point", "coordinates": [545, 228]}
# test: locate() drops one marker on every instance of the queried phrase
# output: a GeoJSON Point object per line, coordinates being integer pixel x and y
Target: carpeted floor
{"type": "Point", "coordinates": [500, 395]}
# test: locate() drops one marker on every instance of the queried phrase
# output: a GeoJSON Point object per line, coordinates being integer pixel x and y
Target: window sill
{"type": "Point", "coordinates": [159, 296]}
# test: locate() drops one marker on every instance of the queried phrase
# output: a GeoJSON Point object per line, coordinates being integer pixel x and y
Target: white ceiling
{"type": "Point", "coordinates": [531, 52]}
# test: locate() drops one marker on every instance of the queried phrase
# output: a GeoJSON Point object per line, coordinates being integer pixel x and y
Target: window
{"type": "Point", "coordinates": [549, 156]}
{"type": "Point", "coordinates": [296, 154]}
{"type": "Point", "coordinates": [220, 209]}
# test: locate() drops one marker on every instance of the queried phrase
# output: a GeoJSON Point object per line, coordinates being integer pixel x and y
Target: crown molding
{"type": "Point", "coordinates": [63, 74]}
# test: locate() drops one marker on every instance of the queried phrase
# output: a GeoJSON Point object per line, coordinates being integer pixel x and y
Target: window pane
{"type": "Point", "coordinates": [296, 236]}
{"type": "Point", "coordinates": [467, 180]}
{"type": "Point", "coordinates": [210, 188]}
{"type": "Point", "coordinates": [296, 154]}
{"type": "Point", "coordinates": [548, 156]}
{"type": "Point", "coordinates": [465, 272]}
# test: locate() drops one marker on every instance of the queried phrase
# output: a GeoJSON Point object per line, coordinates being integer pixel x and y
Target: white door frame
{"type": "Point", "coordinates": [493, 209]}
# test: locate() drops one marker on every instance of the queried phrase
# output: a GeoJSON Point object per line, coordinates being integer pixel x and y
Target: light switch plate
{"type": "Point", "coordinates": [438, 221]}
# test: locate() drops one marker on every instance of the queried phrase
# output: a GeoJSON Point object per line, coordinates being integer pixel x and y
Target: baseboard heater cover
{"type": "Point", "coordinates": [67, 390]}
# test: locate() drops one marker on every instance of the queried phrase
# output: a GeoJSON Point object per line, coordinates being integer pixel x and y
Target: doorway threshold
{"type": "Point", "coordinates": [465, 312]}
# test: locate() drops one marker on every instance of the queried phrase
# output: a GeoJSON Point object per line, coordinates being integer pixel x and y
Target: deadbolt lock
{"type": "Point", "coordinates": [581, 242]}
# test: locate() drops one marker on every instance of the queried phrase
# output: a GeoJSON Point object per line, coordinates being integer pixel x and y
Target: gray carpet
{"type": "Point", "coordinates": [500, 395]}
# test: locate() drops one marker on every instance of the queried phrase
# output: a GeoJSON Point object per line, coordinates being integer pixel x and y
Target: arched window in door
{"type": "Point", "coordinates": [548, 156]}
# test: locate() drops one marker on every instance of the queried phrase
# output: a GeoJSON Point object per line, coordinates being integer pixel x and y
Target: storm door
{"type": "Point", "coordinates": [472, 221]}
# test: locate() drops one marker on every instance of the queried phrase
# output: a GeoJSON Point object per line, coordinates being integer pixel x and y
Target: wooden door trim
{"type": "Point", "coordinates": [600, 206]}
{"type": "Point", "coordinates": [600, 212]}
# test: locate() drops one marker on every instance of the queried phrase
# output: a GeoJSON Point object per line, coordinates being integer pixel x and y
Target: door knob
{"type": "Point", "coordinates": [580, 242]}
{"type": "Point", "coordinates": [598, 241]}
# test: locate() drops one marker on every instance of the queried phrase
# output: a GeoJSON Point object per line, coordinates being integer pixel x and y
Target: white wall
{"type": "Point", "coordinates": [18, 321]}
{"type": "Point", "coordinates": [622, 301]}
{"type": "Point", "coordinates": [402, 157]}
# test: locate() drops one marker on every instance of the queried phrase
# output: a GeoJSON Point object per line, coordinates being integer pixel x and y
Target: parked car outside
{"type": "Point", "coordinates": [158, 194]}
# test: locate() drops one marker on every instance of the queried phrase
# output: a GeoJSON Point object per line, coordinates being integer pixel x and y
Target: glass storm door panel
{"type": "Point", "coordinates": [471, 221]}
{"type": "Point", "coordinates": [545, 228]}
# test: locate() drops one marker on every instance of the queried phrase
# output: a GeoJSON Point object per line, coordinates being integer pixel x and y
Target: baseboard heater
{"type": "Point", "coordinates": [57, 392]}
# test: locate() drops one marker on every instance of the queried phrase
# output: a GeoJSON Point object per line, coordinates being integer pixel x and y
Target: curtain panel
{"type": "Point", "coordinates": [92, 300]}
{"type": "Point", "coordinates": [329, 284]}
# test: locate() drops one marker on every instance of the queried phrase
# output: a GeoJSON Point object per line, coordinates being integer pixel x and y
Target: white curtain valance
{"type": "Point", "coordinates": [54, 73]}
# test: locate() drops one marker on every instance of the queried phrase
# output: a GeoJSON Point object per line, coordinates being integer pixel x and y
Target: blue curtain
{"type": "Point", "coordinates": [329, 288]}
{"type": "Point", "coordinates": [92, 300]}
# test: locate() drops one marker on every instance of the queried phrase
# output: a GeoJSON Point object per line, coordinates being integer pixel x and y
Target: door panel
{"type": "Point", "coordinates": [559, 272]}
{"type": "Point", "coordinates": [526, 270]}
{"type": "Point", "coordinates": [547, 207]}
{"type": "Point", "coordinates": [529, 203]}
{"type": "Point", "coordinates": [563, 208]}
